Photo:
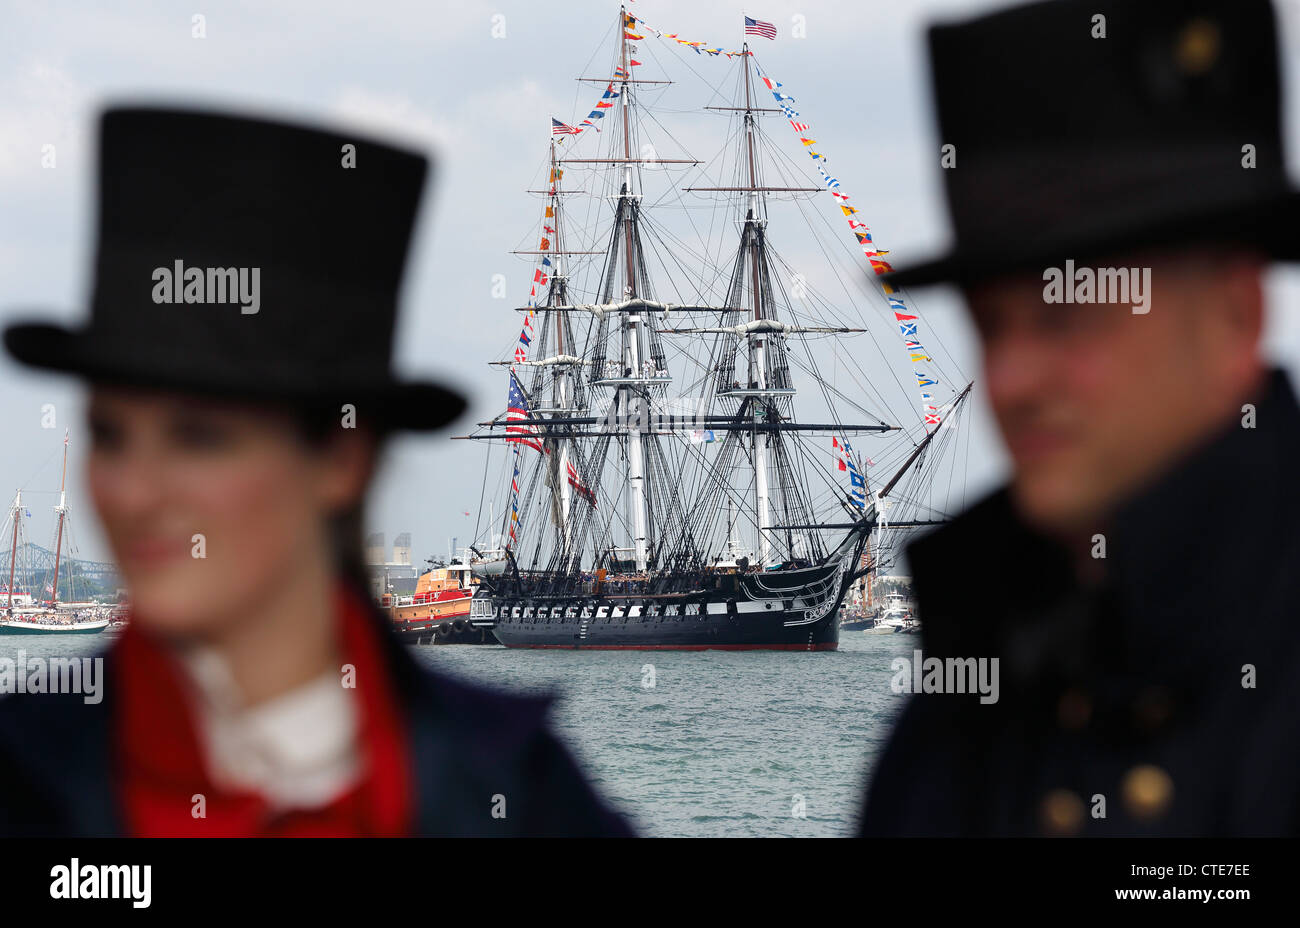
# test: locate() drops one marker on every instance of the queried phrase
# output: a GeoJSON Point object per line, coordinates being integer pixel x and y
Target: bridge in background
{"type": "Point", "coordinates": [36, 564]}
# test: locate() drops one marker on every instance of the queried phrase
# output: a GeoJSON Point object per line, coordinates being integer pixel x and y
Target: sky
{"type": "Point", "coordinates": [474, 84]}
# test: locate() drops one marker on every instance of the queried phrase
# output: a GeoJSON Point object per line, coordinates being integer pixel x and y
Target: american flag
{"type": "Point", "coordinates": [559, 128]}
{"type": "Point", "coordinates": [758, 27]}
{"type": "Point", "coordinates": [517, 409]}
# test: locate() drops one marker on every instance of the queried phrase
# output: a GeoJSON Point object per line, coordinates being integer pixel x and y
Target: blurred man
{"type": "Point", "coordinates": [1117, 191]}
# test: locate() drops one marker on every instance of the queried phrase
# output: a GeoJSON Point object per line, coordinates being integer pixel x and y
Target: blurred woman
{"type": "Point", "coordinates": [238, 357]}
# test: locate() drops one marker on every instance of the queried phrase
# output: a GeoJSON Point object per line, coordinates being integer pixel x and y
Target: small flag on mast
{"type": "Point", "coordinates": [758, 27]}
{"type": "Point", "coordinates": [857, 487]}
{"type": "Point", "coordinates": [581, 488]}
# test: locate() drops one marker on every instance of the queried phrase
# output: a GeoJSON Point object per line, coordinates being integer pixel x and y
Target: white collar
{"type": "Point", "coordinates": [300, 749]}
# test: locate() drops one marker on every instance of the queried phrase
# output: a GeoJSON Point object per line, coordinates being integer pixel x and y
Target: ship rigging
{"type": "Point", "coordinates": [662, 492]}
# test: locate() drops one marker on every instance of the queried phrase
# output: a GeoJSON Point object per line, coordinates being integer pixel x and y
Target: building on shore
{"type": "Point", "coordinates": [397, 575]}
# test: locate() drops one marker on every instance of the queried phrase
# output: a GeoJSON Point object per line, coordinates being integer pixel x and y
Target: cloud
{"type": "Point", "coordinates": [43, 105]}
{"type": "Point", "coordinates": [393, 117]}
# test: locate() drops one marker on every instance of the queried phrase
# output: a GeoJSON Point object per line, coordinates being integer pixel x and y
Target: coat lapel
{"type": "Point", "coordinates": [58, 747]}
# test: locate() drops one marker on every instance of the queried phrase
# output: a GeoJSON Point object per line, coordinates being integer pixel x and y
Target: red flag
{"type": "Point", "coordinates": [582, 489]}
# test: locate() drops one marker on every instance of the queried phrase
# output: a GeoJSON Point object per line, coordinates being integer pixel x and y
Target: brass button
{"type": "Point", "coordinates": [1198, 46]}
{"type": "Point", "coordinates": [1073, 710]}
{"type": "Point", "coordinates": [1061, 813]}
{"type": "Point", "coordinates": [1147, 792]}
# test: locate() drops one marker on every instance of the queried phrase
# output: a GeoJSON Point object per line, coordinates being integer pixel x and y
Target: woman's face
{"type": "Point", "coordinates": [209, 506]}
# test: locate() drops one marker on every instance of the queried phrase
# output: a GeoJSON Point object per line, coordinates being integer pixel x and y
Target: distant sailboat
{"type": "Point", "coordinates": [24, 614]}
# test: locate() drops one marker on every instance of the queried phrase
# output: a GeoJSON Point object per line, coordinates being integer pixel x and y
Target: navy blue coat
{"type": "Point", "coordinates": [1127, 698]}
{"type": "Point", "coordinates": [468, 744]}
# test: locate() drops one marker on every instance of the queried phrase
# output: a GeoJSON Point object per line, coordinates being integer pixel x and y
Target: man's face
{"type": "Point", "coordinates": [1094, 400]}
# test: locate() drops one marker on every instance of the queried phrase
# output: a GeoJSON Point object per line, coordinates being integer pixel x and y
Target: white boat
{"type": "Point", "coordinates": [491, 563]}
{"type": "Point", "coordinates": [40, 624]}
{"type": "Point", "coordinates": [896, 619]}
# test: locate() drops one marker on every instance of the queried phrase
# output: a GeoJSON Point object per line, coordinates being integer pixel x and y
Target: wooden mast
{"type": "Point", "coordinates": [561, 383]}
{"type": "Point", "coordinates": [758, 374]}
{"type": "Point", "coordinates": [13, 546]}
{"type": "Point", "coordinates": [633, 329]}
{"type": "Point", "coordinates": [62, 510]}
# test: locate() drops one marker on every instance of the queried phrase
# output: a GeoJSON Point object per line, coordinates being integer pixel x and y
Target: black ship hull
{"type": "Point", "coordinates": [794, 610]}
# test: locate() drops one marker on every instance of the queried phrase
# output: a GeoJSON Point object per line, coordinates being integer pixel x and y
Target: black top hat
{"type": "Point", "coordinates": [1069, 144]}
{"type": "Point", "coordinates": [251, 259]}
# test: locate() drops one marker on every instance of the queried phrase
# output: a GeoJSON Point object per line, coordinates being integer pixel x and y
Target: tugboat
{"type": "Point", "coordinates": [438, 611]}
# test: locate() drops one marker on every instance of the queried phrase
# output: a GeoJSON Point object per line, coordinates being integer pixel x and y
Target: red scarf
{"type": "Point", "coordinates": [159, 764]}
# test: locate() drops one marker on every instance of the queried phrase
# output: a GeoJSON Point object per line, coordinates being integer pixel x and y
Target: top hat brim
{"type": "Point", "coordinates": [386, 404]}
{"type": "Point", "coordinates": [1267, 227]}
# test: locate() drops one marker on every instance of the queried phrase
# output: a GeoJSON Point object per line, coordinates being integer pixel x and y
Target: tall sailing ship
{"type": "Point", "coordinates": [661, 491]}
{"type": "Point", "coordinates": [24, 613]}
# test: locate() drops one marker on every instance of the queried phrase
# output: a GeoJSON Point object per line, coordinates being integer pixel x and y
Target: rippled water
{"type": "Point", "coordinates": [724, 742]}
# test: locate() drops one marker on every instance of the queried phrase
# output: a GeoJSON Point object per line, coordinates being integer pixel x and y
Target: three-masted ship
{"type": "Point", "coordinates": [661, 491]}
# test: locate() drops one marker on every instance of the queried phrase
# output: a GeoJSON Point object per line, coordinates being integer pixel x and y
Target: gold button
{"type": "Point", "coordinates": [1198, 46]}
{"type": "Point", "coordinates": [1074, 709]}
{"type": "Point", "coordinates": [1061, 813]}
{"type": "Point", "coordinates": [1147, 792]}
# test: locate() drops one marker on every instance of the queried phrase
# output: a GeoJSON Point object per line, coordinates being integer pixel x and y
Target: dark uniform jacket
{"type": "Point", "coordinates": [1166, 697]}
{"type": "Point", "coordinates": [467, 744]}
